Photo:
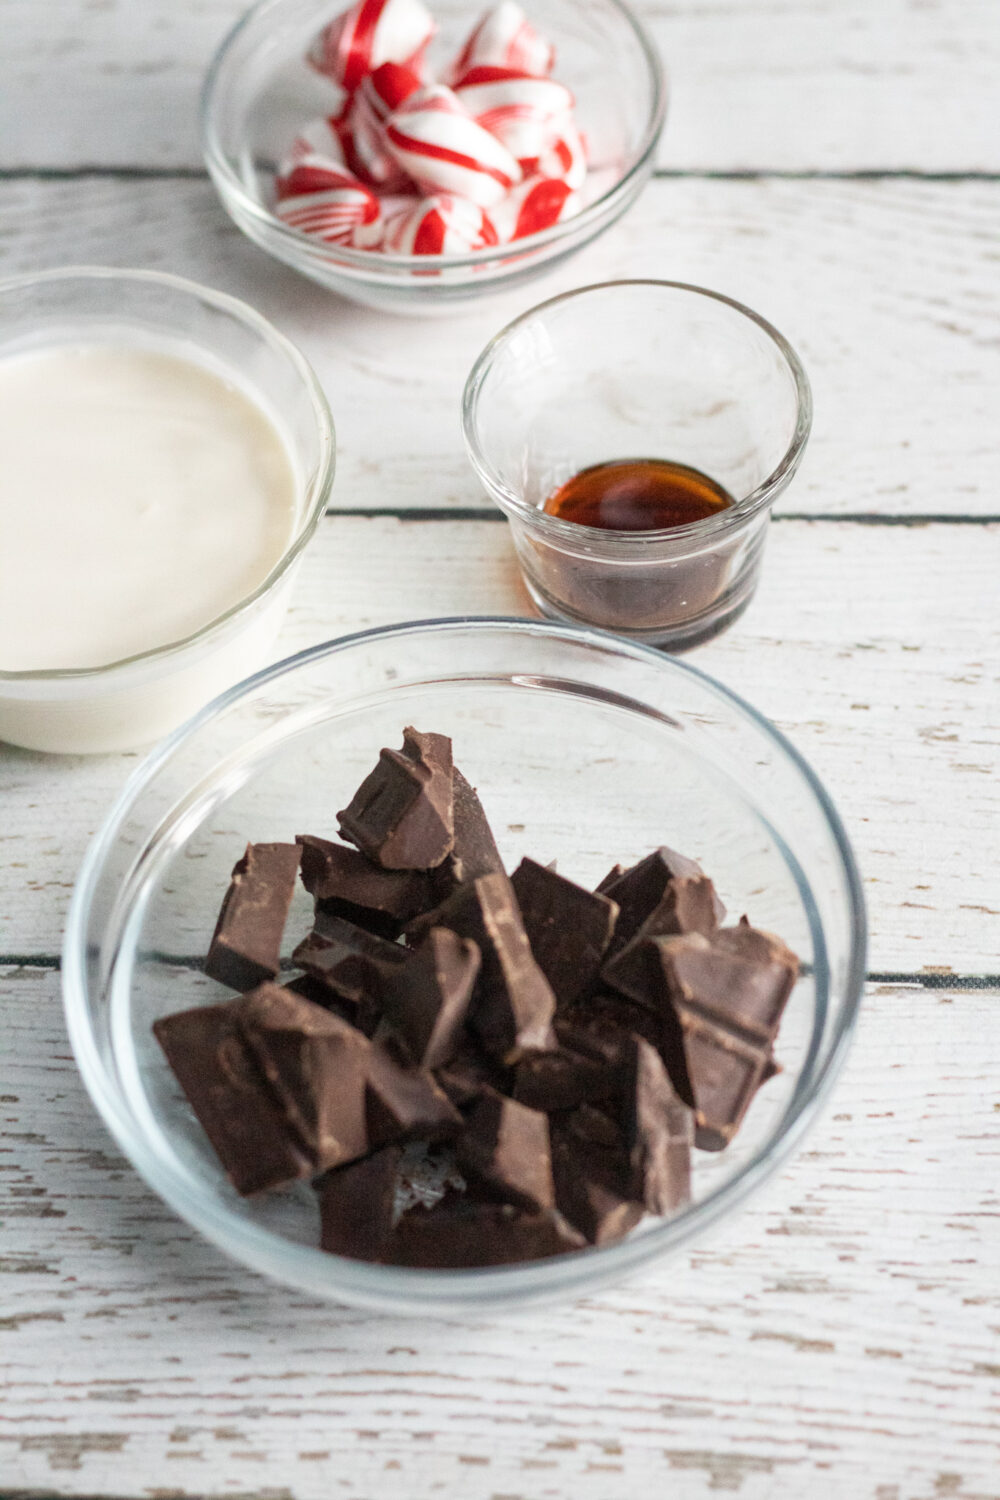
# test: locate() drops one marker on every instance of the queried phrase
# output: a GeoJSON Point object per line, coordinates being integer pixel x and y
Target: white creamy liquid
{"type": "Point", "coordinates": [141, 497]}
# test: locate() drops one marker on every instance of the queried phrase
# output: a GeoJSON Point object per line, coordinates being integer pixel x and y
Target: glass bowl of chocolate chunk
{"type": "Point", "coordinates": [464, 963]}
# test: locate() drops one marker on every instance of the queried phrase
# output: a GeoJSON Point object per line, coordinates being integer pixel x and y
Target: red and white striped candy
{"type": "Point", "coordinates": [319, 199]}
{"type": "Point", "coordinates": [534, 205]}
{"type": "Point", "coordinates": [309, 174]}
{"type": "Point", "coordinates": [440, 225]}
{"type": "Point", "coordinates": [370, 33]}
{"type": "Point", "coordinates": [566, 157]}
{"type": "Point", "coordinates": [505, 38]}
{"type": "Point", "coordinates": [379, 95]}
{"type": "Point", "coordinates": [442, 148]}
{"type": "Point", "coordinates": [323, 138]}
{"type": "Point", "coordinates": [527, 114]}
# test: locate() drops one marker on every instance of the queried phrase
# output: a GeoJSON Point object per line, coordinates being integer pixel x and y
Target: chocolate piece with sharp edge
{"type": "Point", "coordinates": [353, 963]}
{"type": "Point", "coordinates": [603, 1023]}
{"type": "Point", "coordinates": [640, 889]}
{"type": "Point", "coordinates": [229, 1094]}
{"type": "Point", "coordinates": [474, 852]}
{"type": "Point", "coordinates": [569, 928]}
{"type": "Point", "coordinates": [246, 945]}
{"type": "Point", "coordinates": [319, 993]}
{"type": "Point", "coordinates": [505, 1146]}
{"type": "Point", "coordinates": [468, 1233]}
{"type": "Point", "coordinates": [594, 1126]}
{"type": "Point", "coordinates": [659, 1131]}
{"type": "Point", "coordinates": [402, 815]}
{"type": "Point", "coordinates": [725, 996]}
{"type": "Point", "coordinates": [688, 904]}
{"type": "Point", "coordinates": [426, 1001]}
{"type": "Point", "coordinates": [593, 1181]}
{"type": "Point", "coordinates": [347, 884]}
{"type": "Point", "coordinates": [471, 1073]}
{"type": "Point", "coordinates": [611, 878]}
{"type": "Point", "coordinates": [406, 1104]}
{"type": "Point", "coordinates": [356, 1205]}
{"type": "Point", "coordinates": [513, 1003]}
{"type": "Point", "coordinates": [562, 1079]}
{"type": "Point", "coordinates": [317, 1067]}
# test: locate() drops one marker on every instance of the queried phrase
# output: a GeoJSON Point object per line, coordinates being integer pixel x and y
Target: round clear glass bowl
{"type": "Point", "coordinates": [639, 370]}
{"type": "Point", "coordinates": [138, 699]}
{"type": "Point", "coordinates": [259, 92]}
{"type": "Point", "coordinates": [586, 749]}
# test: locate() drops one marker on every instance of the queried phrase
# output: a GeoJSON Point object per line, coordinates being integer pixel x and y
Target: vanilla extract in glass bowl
{"type": "Point", "coordinates": [638, 494]}
{"type": "Point", "coordinates": [665, 550]}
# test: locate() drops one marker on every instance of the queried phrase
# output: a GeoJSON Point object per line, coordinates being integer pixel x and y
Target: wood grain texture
{"type": "Point", "coordinates": [789, 85]}
{"type": "Point", "coordinates": [839, 1338]}
{"type": "Point", "coordinates": [888, 289]}
{"type": "Point", "coordinates": [834, 1339]}
{"type": "Point", "coordinates": [901, 718]}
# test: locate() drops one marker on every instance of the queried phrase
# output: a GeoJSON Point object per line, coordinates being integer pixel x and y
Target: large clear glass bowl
{"type": "Point", "coordinates": [586, 749]}
{"type": "Point", "coordinates": [259, 92]}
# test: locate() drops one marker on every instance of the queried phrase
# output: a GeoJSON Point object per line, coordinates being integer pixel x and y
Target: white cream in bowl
{"type": "Point", "coordinates": [142, 496]}
{"type": "Point", "coordinates": [165, 456]}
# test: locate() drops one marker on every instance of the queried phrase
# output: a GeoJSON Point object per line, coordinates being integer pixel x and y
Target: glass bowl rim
{"type": "Point", "coordinates": [387, 268]}
{"type": "Point", "coordinates": [629, 544]}
{"type": "Point", "coordinates": [383, 1286]}
{"type": "Point", "coordinates": [314, 498]}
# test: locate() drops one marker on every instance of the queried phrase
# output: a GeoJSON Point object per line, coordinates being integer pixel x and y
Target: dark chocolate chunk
{"type": "Point", "coordinates": [726, 995]}
{"type": "Point", "coordinates": [474, 852]}
{"type": "Point", "coordinates": [593, 1181]}
{"type": "Point", "coordinates": [505, 1146]}
{"type": "Point", "coordinates": [319, 993]}
{"type": "Point", "coordinates": [231, 1098]}
{"type": "Point", "coordinates": [353, 963]}
{"type": "Point", "coordinates": [402, 815]}
{"type": "Point", "coordinates": [316, 1065]}
{"type": "Point", "coordinates": [563, 1079]}
{"type": "Point", "coordinates": [601, 1214]}
{"type": "Point", "coordinates": [246, 945]}
{"type": "Point", "coordinates": [640, 889]}
{"type": "Point", "coordinates": [426, 1001]}
{"type": "Point", "coordinates": [347, 884]}
{"type": "Point", "coordinates": [406, 1104]}
{"type": "Point", "coordinates": [475, 1233]}
{"type": "Point", "coordinates": [569, 928]}
{"type": "Point", "coordinates": [513, 1003]}
{"type": "Point", "coordinates": [688, 904]}
{"type": "Point", "coordinates": [724, 1072]}
{"type": "Point", "coordinates": [611, 878]}
{"type": "Point", "coordinates": [594, 1126]}
{"type": "Point", "coordinates": [602, 1024]}
{"type": "Point", "coordinates": [659, 1131]}
{"type": "Point", "coordinates": [356, 1205]}
{"type": "Point", "coordinates": [471, 1073]}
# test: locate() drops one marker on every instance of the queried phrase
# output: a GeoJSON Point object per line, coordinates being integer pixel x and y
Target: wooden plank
{"type": "Point", "coordinates": [884, 679]}
{"type": "Point", "coordinates": [888, 289]}
{"type": "Point", "coordinates": [800, 85]}
{"type": "Point", "coordinates": [837, 1337]}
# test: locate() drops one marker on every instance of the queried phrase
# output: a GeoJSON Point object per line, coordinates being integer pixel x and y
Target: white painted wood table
{"type": "Point", "coordinates": [836, 166]}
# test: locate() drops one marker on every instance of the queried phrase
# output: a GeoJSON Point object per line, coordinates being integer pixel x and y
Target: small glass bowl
{"type": "Point", "coordinates": [260, 91]}
{"type": "Point", "coordinates": [585, 748]}
{"type": "Point", "coordinates": [634, 370]}
{"type": "Point", "coordinates": [137, 700]}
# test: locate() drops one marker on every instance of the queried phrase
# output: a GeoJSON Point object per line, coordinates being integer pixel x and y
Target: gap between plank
{"type": "Point", "coordinates": [738, 174]}
{"type": "Point", "coordinates": [491, 513]}
{"type": "Point", "coordinates": [52, 961]}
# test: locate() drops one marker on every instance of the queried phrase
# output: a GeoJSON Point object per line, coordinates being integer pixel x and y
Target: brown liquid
{"type": "Point", "coordinates": [638, 494]}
